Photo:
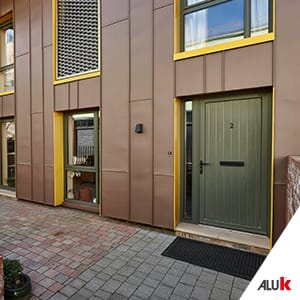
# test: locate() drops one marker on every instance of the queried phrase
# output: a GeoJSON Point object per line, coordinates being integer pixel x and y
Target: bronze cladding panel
{"type": "Point", "coordinates": [163, 204]}
{"type": "Point", "coordinates": [37, 139]}
{"type": "Point", "coordinates": [89, 93]}
{"type": "Point", "coordinates": [47, 23]}
{"type": "Point", "coordinates": [213, 67]}
{"type": "Point", "coordinates": [61, 93]}
{"type": "Point", "coordinates": [141, 181]}
{"type": "Point", "coordinates": [115, 195]}
{"type": "Point", "coordinates": [38, 183]}
{"type": "Point", "coordinates": [287, 78]}
{"type": "Point", "coordinates": [8, 106]}
{"type": "Point", "coordinates": [190, 76]}
{"type": "Point", "coordinates": [5, 6]}
{"type": "Point", "coordinates": [1, 107]}
{"type": "Point", "coordinates": [161, 3]}
{"type": "Point", "coordinates": [141, 35]}
{"type": "Point", "coordinates": [115, 98]}
{"type": "Point", "coordinates": [163, 91]}
{"type": "Point", "coordinates": [49, 185]}
{"type": "Point", "coordinates": [23, 185]}
{"type": "Point", "coordinates": [74, 95]}
{"type": "Point", "coordinates": [21, 23]}
{"type": "Point", "coordinates": [114, 11]}
{"type": "Point", "coordinates": [248, 67]}
{"type": "Point", "coordinates": [23, 124]}
{"type": "Point", "coordinates": [279, 210]}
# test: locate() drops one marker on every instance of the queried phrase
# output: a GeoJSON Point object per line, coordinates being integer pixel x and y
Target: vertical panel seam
{"type": "Point", "coordinates": [129, 109]}
{"type": "Point", "coordinates": [30, 94]}
{"type": "Point", "coordinates": [43, 95]}
{"type": "Point", "coordinates": [152, 117]}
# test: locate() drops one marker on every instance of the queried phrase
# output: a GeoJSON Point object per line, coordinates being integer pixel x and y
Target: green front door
{"type": "Point", "coordinates": [231, 162]}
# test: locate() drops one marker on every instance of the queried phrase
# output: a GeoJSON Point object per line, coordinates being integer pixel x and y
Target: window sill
{"type": "Point", "coordinates": [226, 46]}
{"type": "Point", "coordinates": [7, 93]}
{"type": "Point", "coordinates": [77, 77]}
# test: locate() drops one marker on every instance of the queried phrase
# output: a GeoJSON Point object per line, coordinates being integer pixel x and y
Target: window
{"type": "Point", "coordinates": [7, 150]}
{"type": "Point", "coordinates": [81, 157]}
{"type": "Point", "coordinates": [77, 37]}
{"type": "Point", "coordinates": [6, 54]}
{"type": "Point", "coordinates": [209, 22]}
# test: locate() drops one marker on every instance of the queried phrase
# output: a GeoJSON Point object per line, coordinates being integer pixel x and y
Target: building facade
{"type": "Point", "coordinates": [158, 112]}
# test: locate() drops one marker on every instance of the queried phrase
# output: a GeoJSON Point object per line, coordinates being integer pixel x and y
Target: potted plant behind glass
{"type": "Point", "coordinates": [17, 285]}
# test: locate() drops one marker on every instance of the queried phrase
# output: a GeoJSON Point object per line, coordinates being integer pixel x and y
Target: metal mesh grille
{"type": "Point", "coordinates": [77, 37]}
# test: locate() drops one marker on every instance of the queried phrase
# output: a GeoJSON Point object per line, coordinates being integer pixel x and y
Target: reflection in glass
{"type": "Point", "coordinates": [8, 154]}
{"type": "Point", "coordinates": [259, 17]}
{"type": "Point", "coordinates": [81, 186]}
{"type": "Point", "coordinates": [7, 80]}
{"type": "Point", "coordinates": [215, 24]}
{"type": "Point", "coordinates": [192, 2]}
{"type": "Point", "coordinates": [188, 160]}
{"type": "Point", "coordinates": [81, 140]}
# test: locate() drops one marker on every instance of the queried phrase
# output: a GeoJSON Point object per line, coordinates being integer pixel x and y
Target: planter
{"type": "Point", "coordinates": [85, 194]}
{"type": "Point", "coordinates": [21, 293]}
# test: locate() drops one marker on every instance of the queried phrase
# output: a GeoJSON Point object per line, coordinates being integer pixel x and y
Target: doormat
{"type": "Point", "coordinates": [221, 259]}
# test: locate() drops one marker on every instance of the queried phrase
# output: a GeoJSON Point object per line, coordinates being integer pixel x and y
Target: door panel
{"type": "Point", "coordinates": [232, 135]}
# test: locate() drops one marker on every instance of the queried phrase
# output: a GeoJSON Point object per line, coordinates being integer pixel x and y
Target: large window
{"type": "Point", "coordinates": [210, 22]}
{"type": "Point", "coordinates": [81, 157]}
{"type": "Point", "coordinates": [7, 150]}
{"type": "Point", "coordinates": [77, 37]}
{"type": "Point", "coordinates": [6, 55]}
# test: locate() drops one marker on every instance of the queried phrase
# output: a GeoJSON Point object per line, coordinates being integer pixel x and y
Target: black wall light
{"type": "Point", "coordinates": [139, 128]}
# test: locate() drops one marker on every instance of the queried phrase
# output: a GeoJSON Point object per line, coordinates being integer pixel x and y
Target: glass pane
{"type": "Point", "coordinates": [8, 154]}
{"type": "Point", "coordinates": [216, 24]}
{"type": "Point", "coordinates": [81, 186]}
{"type": "Point", "coordinates": [192, 2]}
{"type": "Point", "coordinates": [7, 45]}
{"type": "Point", "coordinates": [188, 160]}
{"type": "Point", "coordinates": [259, 17]}
{"type": "Point", "coordinates": [81, 146]}
{"type": "Point", "coordinates": [7, 80]}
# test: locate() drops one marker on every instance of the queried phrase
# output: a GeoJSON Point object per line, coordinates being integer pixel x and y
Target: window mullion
{"type": "Point", "coordinates": [247, 18]}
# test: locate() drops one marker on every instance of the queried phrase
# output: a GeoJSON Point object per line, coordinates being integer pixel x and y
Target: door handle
{"type": "Point", "coordinates": [202, 163]}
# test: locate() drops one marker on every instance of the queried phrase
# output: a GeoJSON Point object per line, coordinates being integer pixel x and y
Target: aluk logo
{"type": "Point", "coordinates": [283, 284]}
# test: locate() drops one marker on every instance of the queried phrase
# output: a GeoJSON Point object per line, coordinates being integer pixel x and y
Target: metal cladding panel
{"type": "Point", "coordinates": [1, 107]}
{"type": "Point", "coordinates": [141, 168]}
{"type": "Point", "coordinates": [49, 185]}
{"type": "Point", "coordinates": [37, 139]}
{"type": "Point", "coordinates": [38, 183]}
{"type": "Point", "coordinates": [190, 76]}
{"type": "Point", "coordinates": [61, 93]}
{"type": "Point", "coordinates": [115, 97]}
{"type": "Point", "coordinates": [161, 3]}
{"type": "Point", "coordinates": [115, 195]}
{"type": "Point", "coordinates": [5, 7]}
{"type": "Point", "coordinates": [74, 95]}
{"type": "Point", "coordinates": [163, 202]}
{"type": "Point", "coordinates": [89, 93]}
{"type": "Point", "coordinates": [248, 67]}
{"type": "Point", "coordinates": [23, 185]}
{"type": "Point", "coordinates": [23, 124]}
{"type": "Point", "coordinates": [47, 22]}
{"type": "Point", "coordinates": [21, 24]}
{"type": "Point", "coordinates": [141, 54]}
{"type": "Point", "coordinates": [113, 11]}
{"type": "Point", "coordinates": [77, 33]}
{"type": "Point", "coordinates": [163, 90]}
{"type": "Point", "coordinates": [213, 68]}
{"type": "Point", "coordinates": [286, 82]}
{"type": "Point", "coordinates": [8, 106]}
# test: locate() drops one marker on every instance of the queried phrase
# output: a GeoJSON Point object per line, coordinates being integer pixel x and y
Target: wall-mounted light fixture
{"type": "Point", "coordinates": [139, 128]}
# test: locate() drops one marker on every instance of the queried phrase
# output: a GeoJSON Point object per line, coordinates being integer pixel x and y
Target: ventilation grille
{"type": "Point", "coordinates": [77, 37]}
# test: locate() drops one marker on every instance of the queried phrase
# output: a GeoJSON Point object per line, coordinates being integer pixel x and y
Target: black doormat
{"type": "Point", "coordinates": [222, 259]}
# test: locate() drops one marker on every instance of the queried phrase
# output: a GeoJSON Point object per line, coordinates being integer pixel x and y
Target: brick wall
{"type": "Point", "coordinates": [293, 185]}
{"type": "Point", "coordinates": [1, 279]}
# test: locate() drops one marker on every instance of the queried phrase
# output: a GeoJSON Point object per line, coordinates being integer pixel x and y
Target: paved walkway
{"type": "Point", "coordinates": [71, 254]}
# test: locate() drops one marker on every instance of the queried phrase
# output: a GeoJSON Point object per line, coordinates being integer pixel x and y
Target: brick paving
{"type": "Point", "coordinates": [71, 254]}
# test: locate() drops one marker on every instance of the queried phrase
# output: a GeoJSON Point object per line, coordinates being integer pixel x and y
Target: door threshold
{"type": "Point", "coordinates": [225, 237]}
